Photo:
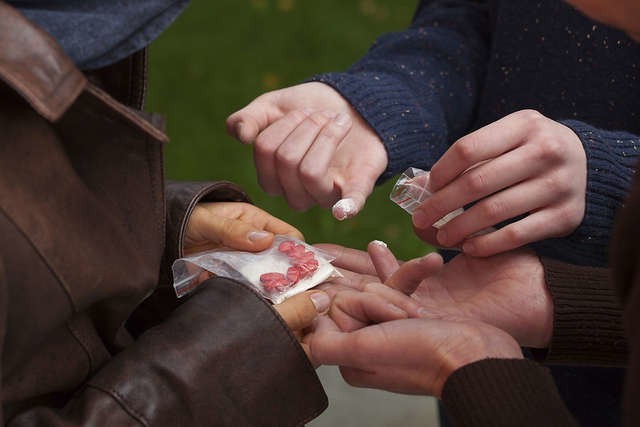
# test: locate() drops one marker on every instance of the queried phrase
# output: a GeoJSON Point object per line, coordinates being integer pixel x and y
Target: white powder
{"type": "Point", "coordinates": [344, 208]}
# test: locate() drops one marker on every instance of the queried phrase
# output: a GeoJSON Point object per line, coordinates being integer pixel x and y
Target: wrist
{"type": "Point", "coordinates": [477, 342]}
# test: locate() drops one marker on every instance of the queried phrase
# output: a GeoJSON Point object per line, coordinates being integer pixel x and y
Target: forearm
{"type": "Point", "coordinates": [418, 88]}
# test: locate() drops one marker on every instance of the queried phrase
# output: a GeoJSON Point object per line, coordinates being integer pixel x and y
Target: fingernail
{"type": "Point", "coordinates": [343, 209]}
{"type": "Point", "coordinates": [258, 235]}
{"type": "Point", "coordinates": [380, 243]}
{"type": "Point", "coordinates": [468, 248]}
{"type": "Point", "coordinates": [423, 312]}
{"type": "Point", "coordinates": [321, 301]}
{"type": "Point", "coordinates": [329, 114]}
{"type": "Point", "coordinates": [342, 119]}
{"type": "Point", "coordinates": [442, 237]}
{"type": "Point", "coordinates": [420, 219]}
{"type": "Point", "coordinates": [239, 129]}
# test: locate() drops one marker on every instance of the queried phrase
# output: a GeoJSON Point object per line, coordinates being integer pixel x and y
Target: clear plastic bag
{"type": "Point", "coordinates": [288, 267]}
{"type": "Point", "coordinates": [411, 190]}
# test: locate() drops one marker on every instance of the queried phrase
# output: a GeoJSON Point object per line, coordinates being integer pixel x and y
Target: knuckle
{"type": "Point", "coordinates": [465, 148]}
{"type": "Point", "coordinates": [550, 148]}
{"type": "Point", "coordinates": [552, 184]}
{"type": "Point", "coordinates": [530, 116]}
{"type": "Point", "coordinates": [514, 235]}
{"type": "Point", "coordinates": [493, 209]}
{"type": "Point", "coordinates": [286, 158]}
{"type": "Point", "coordinates": [317, 119]}
{"type": "Point", "coordinates": [264, 145]}
{"type": "Point", "coordinates": [331, 133]}
{"type": "Point", "coordinates": [476, 181]}
{"type": "Point", "coordinates": [310, 174]}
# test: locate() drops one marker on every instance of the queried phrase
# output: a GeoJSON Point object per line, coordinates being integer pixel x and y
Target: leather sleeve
{"type": "Point", "coordinates": [181, 198]}
{"type": "Point", "coordinates": [223, 358]}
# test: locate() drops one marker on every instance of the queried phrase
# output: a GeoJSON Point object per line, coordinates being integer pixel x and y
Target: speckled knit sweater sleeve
{"type": "Point", "coordinates": [611, 165]}
{"type": "Point", "coordinates": [418, 88]}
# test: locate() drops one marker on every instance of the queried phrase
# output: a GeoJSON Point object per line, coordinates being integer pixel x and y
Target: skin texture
{"type": "Point", "coordinates": [245, 227]}
{"type": "Point", "coordinates": [311, 147]}
{"type": "Point", "coordinates": [522, 164]}
{"type": "Point", "coordinates": [507, 291]}
{"type": "Point", "coordinates": [403, 355]}
{"type": "Point", "coordinates": [235, 225]}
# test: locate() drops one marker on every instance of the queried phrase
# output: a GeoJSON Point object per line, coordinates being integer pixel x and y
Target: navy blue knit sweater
{"type": "Point", "coordinates": [464, 64]}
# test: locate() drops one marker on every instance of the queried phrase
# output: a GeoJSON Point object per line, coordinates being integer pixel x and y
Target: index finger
{"type": "Point", "coordinates": [350, 259]}
{"type": "Point", "coordinates": [485, 143]}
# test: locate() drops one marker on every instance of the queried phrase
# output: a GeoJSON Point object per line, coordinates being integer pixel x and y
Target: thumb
{"type": "Point", "coordinates": [354, 194]}
{"type": "Point", "coordinates": [235, 234]}
{"type": "Point", "coordinates": [246, 124]}
{"type": "Point", "coordinates": [300, 310]}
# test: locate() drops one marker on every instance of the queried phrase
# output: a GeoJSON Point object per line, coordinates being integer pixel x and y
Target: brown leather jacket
{"type": "Point", "coordinates": [82, 226]}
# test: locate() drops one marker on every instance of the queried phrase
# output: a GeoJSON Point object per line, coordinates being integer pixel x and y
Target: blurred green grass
{"type": "Point", "coordinates": [220, 55]}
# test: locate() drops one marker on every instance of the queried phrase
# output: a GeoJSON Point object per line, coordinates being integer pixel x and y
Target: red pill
{"type": "Point", "coordinates": [286, 246]}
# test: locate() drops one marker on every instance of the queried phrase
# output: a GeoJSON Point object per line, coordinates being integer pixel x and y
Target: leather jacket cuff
{"type": "Point", "coordinates": [182, 197]}
{"type": "Point", "coordinates": [224, 357]}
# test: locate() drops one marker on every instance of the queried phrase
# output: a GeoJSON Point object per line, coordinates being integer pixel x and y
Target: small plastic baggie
{"type": "Point", "coordinates": [287, 268]}
{"type": "Point", "coordinates": [411, 190]}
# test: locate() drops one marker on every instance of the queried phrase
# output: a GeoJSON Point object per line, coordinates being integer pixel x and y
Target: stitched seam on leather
{"type": "Point", "coordinates": [85, 347]}
{"type": "Point", "coordinates": [61, 282]}
{"type": "Point", "coordinates": [122, 403]}
{"type": "Point", "coordinates": [123, 114]}
{"type": "Point", "coordinates": [160, 226]}
{"type": "Point", "coordinates": [36, 101]}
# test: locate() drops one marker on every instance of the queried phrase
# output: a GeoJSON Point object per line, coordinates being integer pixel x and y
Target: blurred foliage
{"type": "Point", "coordinates": [219, 55]}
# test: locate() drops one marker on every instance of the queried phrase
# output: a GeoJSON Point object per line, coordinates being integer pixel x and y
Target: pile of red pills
{"type": "Point", "coordinates": [303, 264]}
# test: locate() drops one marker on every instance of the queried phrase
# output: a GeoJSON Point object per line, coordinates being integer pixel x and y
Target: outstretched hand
{"type": "Point", "coordinates": [414, 356]}
{"type": "Point", "coordinates": [312, 147]}
{"type": "Point", "coordinates": [507, 291]}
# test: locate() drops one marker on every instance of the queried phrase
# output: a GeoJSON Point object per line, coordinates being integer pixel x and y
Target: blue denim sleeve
{"type": "Point", "coordinates": [96, 33]}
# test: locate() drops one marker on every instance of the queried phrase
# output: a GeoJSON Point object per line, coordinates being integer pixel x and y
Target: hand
{"type": "Point", "coordinates": [414, 356]}
{"type": "Point", "coordinates": [525, 164]}
{"type": "Point", "coordinates": [235, 225]}
{"type": "Point", "coordinates": [507, 291]}
{"type": "Point", "coordinates": [300, 310]}
{"type": "Point", "coordinates": [362, 269]}
{"type": "Point", "coordinates": [312, 147]}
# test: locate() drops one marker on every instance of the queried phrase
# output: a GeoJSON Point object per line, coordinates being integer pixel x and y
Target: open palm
{"type": "Point", "coordinates": [507, 291]}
